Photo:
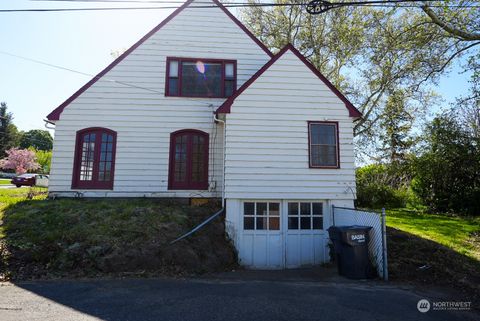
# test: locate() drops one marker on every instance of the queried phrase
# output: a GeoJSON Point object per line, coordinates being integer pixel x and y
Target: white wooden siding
{"type": "Point", "coordinates": [267, 138]}
{"type": "Point", "coordinates": [144, 119]}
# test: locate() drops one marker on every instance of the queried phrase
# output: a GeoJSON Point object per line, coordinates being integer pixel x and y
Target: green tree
{"type": "Point", "coordinates": [44, 159]}
{"type": "Point", "coordinates": [9, 134]}
{"type": "Point", "coordinates": [396, 124]}
{"type": "Point", "coordinates": [368, 52]}
{"type": "Point", "coordinates": [448, 172]}
{"type": "Point", "coordinates": [38, 139]}
{"type": "Point", "coordinates": [468, 106]}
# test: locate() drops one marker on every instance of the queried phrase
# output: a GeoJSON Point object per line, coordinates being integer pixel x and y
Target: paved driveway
{"type": "Point", "coordinates": [223, 298]}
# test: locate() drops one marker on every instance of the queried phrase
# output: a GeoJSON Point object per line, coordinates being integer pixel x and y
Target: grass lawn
{"type": "Point", "coordinates": [462, 234]}
{"type": "Point", "coordinates": [41, 237]}
{"type": "Point", "coordinates": [5, 181]}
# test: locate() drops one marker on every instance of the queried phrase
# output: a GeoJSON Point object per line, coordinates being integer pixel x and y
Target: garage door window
{"type": "Point", "coordinates": [261, 216]}
{"type": "Point", "coordinates": [305, 216]}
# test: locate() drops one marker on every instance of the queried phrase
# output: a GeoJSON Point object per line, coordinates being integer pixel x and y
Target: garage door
{"type": "Point", "coordinates": [282, 234]}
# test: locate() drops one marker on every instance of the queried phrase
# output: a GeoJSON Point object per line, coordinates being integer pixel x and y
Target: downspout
{"type": "Point", "coordinates": [218, 120]}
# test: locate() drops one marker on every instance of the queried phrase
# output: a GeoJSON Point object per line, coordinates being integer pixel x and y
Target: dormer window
{"type": "Point", "coordinates": [210, 78]}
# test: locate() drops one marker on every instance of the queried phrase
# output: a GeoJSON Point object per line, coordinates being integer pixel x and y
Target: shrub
{"type": "Point", "coordinates": [372, 187]}
{"type": "Point", "coordinates": [385, 185]}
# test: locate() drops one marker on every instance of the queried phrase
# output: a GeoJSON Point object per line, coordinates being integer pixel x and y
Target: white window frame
{"type": "Point", "coordinates": [299, 216]}
{"type": "Point", "coordinates": [267, 216]}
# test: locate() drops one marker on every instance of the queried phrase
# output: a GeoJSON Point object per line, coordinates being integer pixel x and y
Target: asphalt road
{"type": "Point", "coordinates": [214, 299]}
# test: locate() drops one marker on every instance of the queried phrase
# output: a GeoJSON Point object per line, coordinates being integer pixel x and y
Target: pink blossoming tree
{"type": "Point", "coordinates": [21, 160]}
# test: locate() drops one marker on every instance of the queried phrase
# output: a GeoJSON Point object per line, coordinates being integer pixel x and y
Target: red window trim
{"type": "Point", "coordinates": [188, 185]}
{"type": "Point", "coordinates": [180, 60]}
{"type": "Point", "coordinates": [94, 184]}
{"type": "Point", "coordinates": [334, 123]}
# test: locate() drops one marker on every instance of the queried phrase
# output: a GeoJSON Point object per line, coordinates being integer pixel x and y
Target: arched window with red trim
{"type": "Point", "coordinates": [94, 163]}
{"type": "Point", "coordinates": [188, 167]}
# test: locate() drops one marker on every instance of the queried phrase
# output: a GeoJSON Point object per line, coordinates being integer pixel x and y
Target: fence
{"type": "Point", "coordinates": [378, 241]}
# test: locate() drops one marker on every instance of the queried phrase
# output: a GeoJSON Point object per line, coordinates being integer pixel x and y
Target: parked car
{"type": "Point", "coordinates": [30, 180]}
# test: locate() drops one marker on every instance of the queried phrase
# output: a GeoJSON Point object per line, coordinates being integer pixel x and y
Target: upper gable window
{"type": "Point", "coordinates": [212, 78]}
{"type": "Point", "coordinates": [323, 145]}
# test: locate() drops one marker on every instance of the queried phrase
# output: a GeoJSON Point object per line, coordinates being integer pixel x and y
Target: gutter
{"type": "Point", "coordinates": [218, 120]}
{"type": "Point", "coordinates": [49, 122]}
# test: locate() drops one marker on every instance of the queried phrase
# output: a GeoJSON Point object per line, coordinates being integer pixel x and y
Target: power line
{"type": "Point", "coordinates": [229, 3]}
{"type": "Point", "coordinates": [78, 72]}
{"type": "Point", "coordinates": [125, 1]}
{"type": "Point", "coordinates": [141, 8]}
{"type": "Point", "coordinates": [380, 3]}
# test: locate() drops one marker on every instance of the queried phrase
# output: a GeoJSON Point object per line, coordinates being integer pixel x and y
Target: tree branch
{"type": "Point", "coordinates": [448, 28]}
{"type": "Point", "coordinates": [447, 62]}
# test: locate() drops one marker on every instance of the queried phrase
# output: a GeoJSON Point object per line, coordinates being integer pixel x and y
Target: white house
{"type": "Point", "coordinates": [200, 108]}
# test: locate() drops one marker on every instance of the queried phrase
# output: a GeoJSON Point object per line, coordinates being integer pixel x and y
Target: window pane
{"type": "Point", "coordinates": [330, 153]}
{"type": "Point", "coordinates": [261, 208]}
{"type": "Point", "coordinates": [173, 86]}
{"type": "Point", "coordinates": [274, 209]}
{"type": "Point", "coordinates": [248, 223]}
{"type": "Point", "coordinates": [274, 223]}
{"type": "Point", "coordinates": [173, 71]}
{"type": "Point", "coordinates": [248, 208]}
{"type": "Point", "coordinates": [201, 79]}
{"type": "Point", "coordinates": [261, 223]}
{"type": "Point", "coordinates": [229, 87]}
{"type": "Point", "coordinates": [318, 223]}
{"type": "Point", "coordinates": [198, 158]}
{"type": "Point", "coordinates": [304, 208]}
{"type": "Point", "coordinates": [106, 151]}
{"type": "Point", "coordinates": [180, 158]}
{"type": "Point", "coordinates": [87, 157]}
{"type": "Point", "coordinates": [305, 223]}
{"type": "Point", "coordinates": [229, 70]}
{"type": "Point", "coordinates": [293, 223]}
{"type": "Point", "coordinates": [292, 208]}
{"type": "Point", "coordinates": [322, 134]}
{"type": "Point", "coordinates": [317, 208]}
{"type": "Point", "coordinates": [323, 155]}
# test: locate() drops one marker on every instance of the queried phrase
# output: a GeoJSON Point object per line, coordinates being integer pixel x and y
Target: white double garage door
{"type": "Point", "coordinates": [277, 234]}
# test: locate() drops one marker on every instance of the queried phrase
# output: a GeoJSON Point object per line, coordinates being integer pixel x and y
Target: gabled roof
{"type": "Point", "coordinates": [55, 114]}
{"type": "Point", "coordinates": [226, 106]}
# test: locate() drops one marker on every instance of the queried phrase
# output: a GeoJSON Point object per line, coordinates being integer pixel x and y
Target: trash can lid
{"type": "Point", "coordinates": [344, 228]}
{"type": "Point", "coordinates": [350, 234]}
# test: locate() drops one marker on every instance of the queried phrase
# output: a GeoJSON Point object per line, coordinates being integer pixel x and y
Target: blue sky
{"type": "Point", "coordinates": [81, 41]}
